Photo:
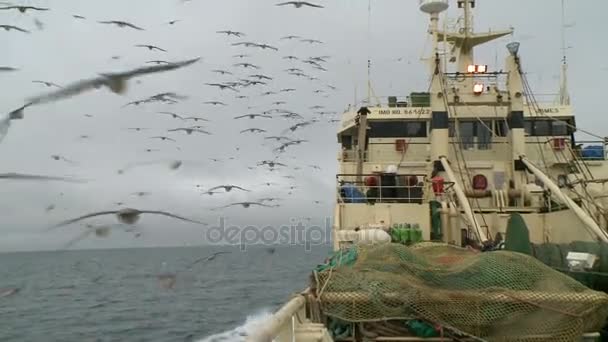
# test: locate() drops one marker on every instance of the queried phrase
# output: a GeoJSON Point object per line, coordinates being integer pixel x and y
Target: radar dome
{"type": "Point", "coordinates": [433, 6]}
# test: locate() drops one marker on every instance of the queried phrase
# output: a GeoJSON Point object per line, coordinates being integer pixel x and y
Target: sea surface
{"type": "Point", "coordinates": [116, 295]}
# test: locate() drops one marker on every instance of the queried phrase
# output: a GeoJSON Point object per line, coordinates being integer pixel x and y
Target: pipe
{"type": "Point", "coordinates": [446, 234]}
{"type": "Point", "coordinates": [592, 226]}
{"type": "Point", "coordinates": [273, 326]}
{"type": "Point", "coordinates": [464, 202]}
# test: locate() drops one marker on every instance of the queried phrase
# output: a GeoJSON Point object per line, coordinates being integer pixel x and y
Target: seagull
{"type": "Point", "coordinates": [207, 258]}
{"type": "Point", "coordinates": [277, 138]}
{"type": "Point", "coordinates": [260, 77]}
{"type": "Point", "coordinates": [21, 176]}
{"type": "Point", "coordinates": [247, 44]}
{"type": "Point", "coordinates": [253, 130]}
{"type": "Point", "coordinates": [173, 22]}
{"type": "Point", "coordinates": [270, 163]}
{"type": "Point", "coordinates": [189, 130]}
{"type": "Point", "coordinates": [23, 9]}
{"type": "Point", "coordinates": [228, 188]}
{"type": "Point", "coordinates": [278, 103]}
{"type": "Point", "coordinates": [115, 81]}
{"type": "Point", "coordinates": [291, 58]}
{"type": "Point", "coordinates": [48, 84]}
{"type": "Point", "coordinates": [299, 4]}
{"type": "Point", "coordinates": [253, 116]}
{"type": "Point", "coordinates": [290, 37]}
{"type": "Point", "coordinates": [7, 68]}
{"type": "Point", "coordinates": [163, 138]}
{"type": "Point", "coordinates": [11, 27]}
{"type": "Point", "coordinates": [223, 72]}
{"type": "Point", "coordinates": [121, 24]}
{"type": "Point", "coordinates": [150, 47]}
{"type": "Point", "coordinates": [246, 205]}
{"type": "Point", "coordinates": [58, 157]}
{"type": "Point", "coordinates": [311, 41]}
{"type": "Point", "coordinates": [126, 216]}
{"type": "Point", "coordinates": [215, 103]}
{"type": "Point", "coordinates": [175, 116]}
{"type": "Point", "coordinates": [240, 56]}
{"type": "Point", "coordinates": [196, 119]}
{"type": "Point", "coordinates": [266, 46]}
{"type": "Point", "coordinates": [247, 65]}
{"type": "Point", "coordinates": [286, 90]}
{"type": "Point", "coordinates": [221, 86]}
{"type": "Point", "coordinates": [76, 16]}
{"type": "Point", "coordinates": [232, 33]}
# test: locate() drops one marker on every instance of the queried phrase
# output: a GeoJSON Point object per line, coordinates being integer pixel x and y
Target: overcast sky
{"type": "Point", "coordinates": [69, 49]}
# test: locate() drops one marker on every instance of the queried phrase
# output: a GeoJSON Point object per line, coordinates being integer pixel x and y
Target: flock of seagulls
{"type": "Point", "coordinates": [234, 84]}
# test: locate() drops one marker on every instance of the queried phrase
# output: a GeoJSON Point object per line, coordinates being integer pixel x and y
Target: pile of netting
{"type": "Point", "coordinates": [495, 295]}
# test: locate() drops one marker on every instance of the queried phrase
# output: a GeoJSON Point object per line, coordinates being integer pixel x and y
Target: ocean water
{"type": "Point", "coordinates": [116, 295]}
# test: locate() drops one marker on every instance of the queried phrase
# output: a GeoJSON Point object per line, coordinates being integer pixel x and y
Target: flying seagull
{"type": "Point", "coordinates": [175, 116]}
{"type": "Point", "coordinates": [7, 68]}
{"type": "Point", "coordinates": [23, 9]}
{"type": "Point", "coordinates": [222, 86]}
{"type": "Point", "coordinates": [253, 130]}
{"type": "Point", "coordinates": [117, 82]}
{"type": "Point", "coordinates": [228, 188]}
{"type": "Point", "coordinates": [121, 24]}
{"type": "Point", "coordinates": [11, 27]}
{"type": "Point", "coordinates": [253, 116]}
{"type": "Point", "coordinates": [290, 37]}
{"type": "Point", "coordinates": [189, 130]}
{"type": "Point", "coordinates": [246, 205]}
{"type": "Point", "coordinates": [205, 259]}
{"type": "Point", "coordinates": [22, 176]}
{"type": "Point", "coordinates": [299, 4]}
{"type": "Point", "coordinates": [163, 138]}
{"type": "Point", "coordinates": [215, 103]}
{"type": "Point", "coordinates": [126, 216]}
{"type": "Point", "coordinates": [151, 47]}
{"type": "Point", "coordinates": [232, 33]}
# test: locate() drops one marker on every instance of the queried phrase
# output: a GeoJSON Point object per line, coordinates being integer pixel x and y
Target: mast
{"type": "Point", "coordinates": [564, 95]}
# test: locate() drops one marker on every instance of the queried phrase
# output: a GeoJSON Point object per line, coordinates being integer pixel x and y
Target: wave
{"type": "Point", "coordinates": [240, 333]}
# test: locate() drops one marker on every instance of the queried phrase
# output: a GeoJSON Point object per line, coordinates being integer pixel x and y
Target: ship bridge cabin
{"type": "Point", "coordinates": [390, 181]}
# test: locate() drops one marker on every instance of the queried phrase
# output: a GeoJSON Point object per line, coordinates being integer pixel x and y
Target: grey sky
{"type": "Point", "coordinates": [68, 49]}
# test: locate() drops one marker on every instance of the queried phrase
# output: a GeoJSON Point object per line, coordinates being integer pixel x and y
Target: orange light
{"type": "Point", "coordinates": [482, 68]}
{"type": "Point", "coordinates": [478, 88]}
{"type": "Point", "coordinates": [471, 68]}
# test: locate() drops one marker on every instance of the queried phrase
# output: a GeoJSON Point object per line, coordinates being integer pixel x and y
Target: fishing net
{"type": "Point", "coordinates": [496, 295]}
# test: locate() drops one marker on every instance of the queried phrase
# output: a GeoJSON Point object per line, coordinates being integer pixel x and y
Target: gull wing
{"type": "Point", "coordinates": [67, 222]}
{"type": "Point", "coordinates": [172, 215]}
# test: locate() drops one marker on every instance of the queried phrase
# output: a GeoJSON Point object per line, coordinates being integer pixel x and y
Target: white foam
{"type": "Point", "coordinates": [238, 334]}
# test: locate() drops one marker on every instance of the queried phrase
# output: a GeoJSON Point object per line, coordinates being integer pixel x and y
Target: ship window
{"type": "Point", "coordinates": [484, 135]}
{"type": "Point", "coordinates": [397, 129]}
{"type": "Point", "coordinates": [501, 129]}
{"type": "Point", "coordinates": [559, 128]}
{"type": "Point", "coordinates": [466, 131]}
{"type": "Point", "coordinates": [542, 128]}
{"type": "Point", "coordinates": [347, 142]}
{"type": "Point", "coordinates": [469, 130]}
{"type": "Point", "coordinates": [415, 129]}
{"type": "Point", "coordinates": [528, 127]}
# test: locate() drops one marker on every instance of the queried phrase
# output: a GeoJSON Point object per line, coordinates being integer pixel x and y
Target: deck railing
{"type": "Point", "coordinates": [380, 188]}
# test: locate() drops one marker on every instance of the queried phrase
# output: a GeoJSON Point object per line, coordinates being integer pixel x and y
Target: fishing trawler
{"type": "Point", "coordinates": [468, 212]}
